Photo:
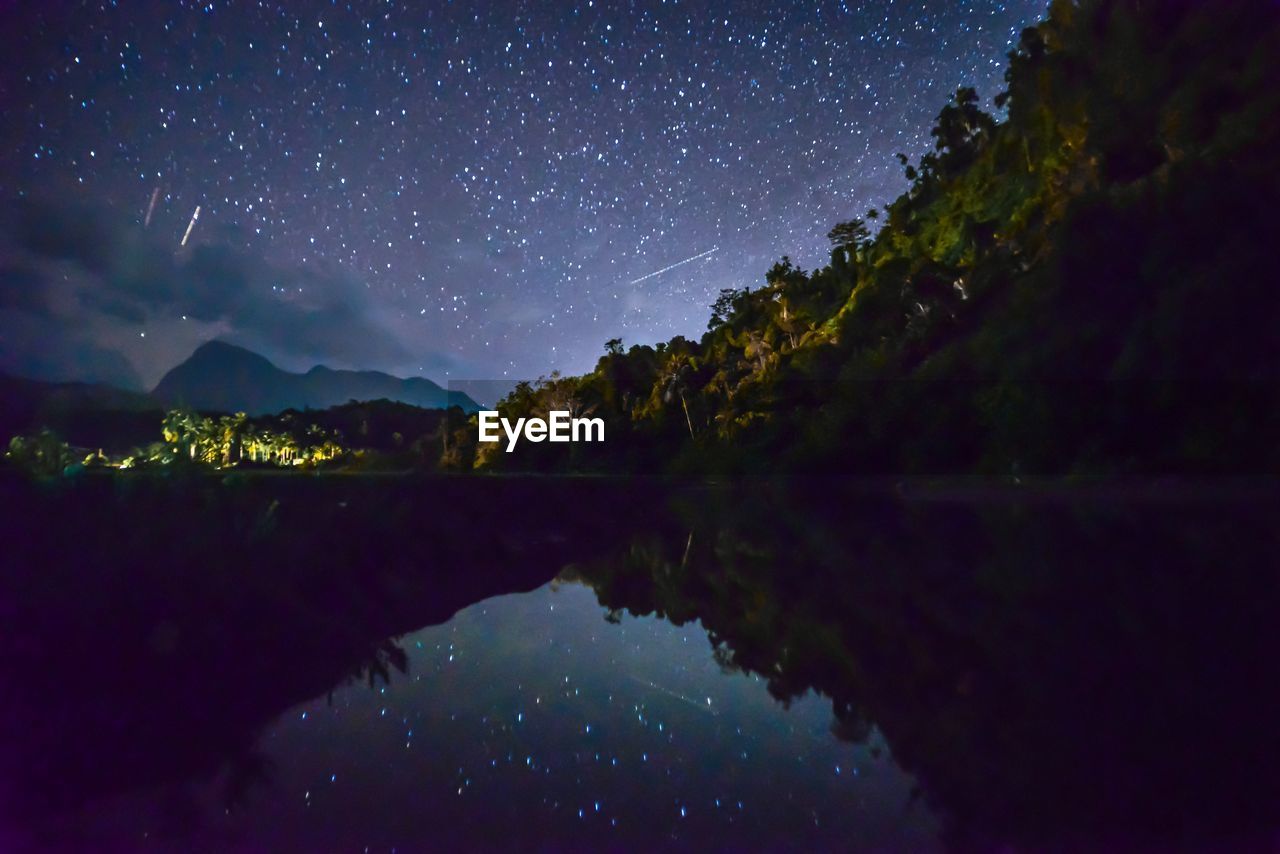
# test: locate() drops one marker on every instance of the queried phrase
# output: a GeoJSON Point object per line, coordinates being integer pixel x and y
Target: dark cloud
{"type": "Point", "coordinates": [44, 348]}
{"type": "Point", "coordinates": [77, 234]}
{"type": "Point", "coordinates": [87, 270]}
{"type": "Point", "coordinates": [21, 288]}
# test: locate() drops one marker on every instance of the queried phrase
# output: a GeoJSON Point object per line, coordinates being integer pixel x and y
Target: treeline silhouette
{"type": "Point", "coordinates": [1082, 285]}
{"type": "Point", "coordinates": [154, 625]}
{"type": "Point", "coordinates": [1057, 673]}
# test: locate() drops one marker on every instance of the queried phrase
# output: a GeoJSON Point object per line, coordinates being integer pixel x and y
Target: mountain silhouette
{"type": "Point", "coordinates": [222, 377]}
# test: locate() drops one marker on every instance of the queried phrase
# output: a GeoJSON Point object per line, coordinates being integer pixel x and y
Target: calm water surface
{"type": "Point", "coordinates": [529, 718]}
{"type": "Point", "coordinates": [350, 665]}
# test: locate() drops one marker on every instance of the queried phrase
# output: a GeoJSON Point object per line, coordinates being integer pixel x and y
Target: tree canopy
{"type": "Point", "coordinates": [1077, 284]}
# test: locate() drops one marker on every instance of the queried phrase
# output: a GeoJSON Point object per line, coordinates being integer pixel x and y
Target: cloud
{"type": "Point", "coordinates": [40, 347]}
{"type": "Point", "coordinates": [85, 277]}
{"type": "Point", "coordinates": [21, 288]}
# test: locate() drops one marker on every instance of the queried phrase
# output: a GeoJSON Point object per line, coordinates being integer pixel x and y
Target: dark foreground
{"type": "Point", "coordinates": [298, 663]}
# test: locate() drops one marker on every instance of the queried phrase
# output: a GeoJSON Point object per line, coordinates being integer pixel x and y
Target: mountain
{"type": "Point", "coordinates": [84, 414]}
{"type": "Point", "coordinates": [222, 377]}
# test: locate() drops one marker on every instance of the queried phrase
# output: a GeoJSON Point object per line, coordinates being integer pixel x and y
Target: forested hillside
{"type": "Point", "coordinates": [1083, 282]}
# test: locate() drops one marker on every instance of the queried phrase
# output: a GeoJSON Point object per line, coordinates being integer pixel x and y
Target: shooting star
{"type": "Point", "coordinates": [707, 708]}
{"type": "Point", "coordinates": [673, 266]}
{"type": "Point", "coordinates": [195, 216]}
{"type": "Point", "coordinates": [151, 208]}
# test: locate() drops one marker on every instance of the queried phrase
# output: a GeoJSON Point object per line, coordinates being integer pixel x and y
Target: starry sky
{"type": "Point", "coordinates": [455, 190]}
{"type": "Point", "coordinates": [528, 716]}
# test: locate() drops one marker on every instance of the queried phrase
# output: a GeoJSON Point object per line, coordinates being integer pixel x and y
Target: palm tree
{"type": "Point", "coordinates": [227, 434]}
{"type": "Point", "coordinates": [675, 380]}
{"type": "Point", "coordinates": [288, 449]}
{"type": "Point", "coordinates": [179, 428]}
{"type": "Point", "coordinates": [209, 436]}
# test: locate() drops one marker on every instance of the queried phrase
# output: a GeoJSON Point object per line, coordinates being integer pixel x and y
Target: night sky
{"type": "Point", "coordinates": [460, 190]}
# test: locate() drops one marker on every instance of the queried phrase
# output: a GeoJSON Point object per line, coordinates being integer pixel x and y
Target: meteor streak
{"type": "Point", "coordinates": [195, 216]}
{"type": "Point", "coordinates": [151, 208]}
{"type": "Point", "coordinates": [673, 266]}
{"type": "Point", "coordinates": [707, 708]}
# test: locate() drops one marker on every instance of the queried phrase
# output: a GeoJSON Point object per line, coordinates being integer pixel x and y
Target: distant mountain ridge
{"type": "Point", "coordinates": [222, 377]}
{"type": "Point", "coordinates": [88, 415]}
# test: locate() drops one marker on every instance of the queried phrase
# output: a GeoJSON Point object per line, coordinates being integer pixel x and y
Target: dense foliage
{"type": "Point", "coordinates": [1079, 286]}
{"type": "Point", "coordinates": [379, 434]}
{"type": "Point", "coordinates": [42, 453]}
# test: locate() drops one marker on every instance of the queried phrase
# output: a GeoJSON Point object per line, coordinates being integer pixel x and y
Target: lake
{"type": "Point", "coordinates": [300, 663]}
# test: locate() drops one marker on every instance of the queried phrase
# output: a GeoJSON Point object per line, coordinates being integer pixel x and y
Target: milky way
{"type": "Point", "coordinates": [502, 178]}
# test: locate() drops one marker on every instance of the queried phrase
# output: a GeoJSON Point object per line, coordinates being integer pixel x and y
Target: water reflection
{"type": "Point", "coordinates": [1075, 672]}
{"type": "Point", "coordinates": [528, 718]}
{"type": "Point", "coordinates": [797, 667]}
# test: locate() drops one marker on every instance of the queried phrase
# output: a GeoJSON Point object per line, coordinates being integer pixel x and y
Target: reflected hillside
{"type": "Point", "coordinates": [153, 626]}
{"type": "Point", "coordinates": [1052, 670]}
{"type": "Point", "coordinates": [1069, 667]}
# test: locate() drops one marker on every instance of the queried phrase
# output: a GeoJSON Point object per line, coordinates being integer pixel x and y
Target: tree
{"type": "Point", "coordinates": [849, 235]}
{"type": "Point", "coordinates": [41, 454]}
{"type": "Point", "coordinates": [723, 308]}
{"type": "Point", "coordinates": [675, 381]}
{"type": "Point", "coordinates": [961, 129]}
{"type": "Point", "coordinates": [755, 347]}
